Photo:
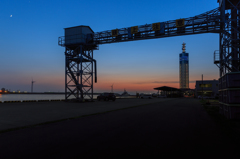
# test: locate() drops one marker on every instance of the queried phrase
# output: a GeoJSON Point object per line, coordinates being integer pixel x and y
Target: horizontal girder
{"type": "Point", "coordinates": [208, 22]}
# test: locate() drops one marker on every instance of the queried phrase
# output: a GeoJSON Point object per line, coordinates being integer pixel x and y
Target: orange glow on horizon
{"type": "Point", "coordinates": [131, 82]}
{"type": "Point", "coordinates": [134, 87]}
{"type": "Point", "coordinates": [140, 82]}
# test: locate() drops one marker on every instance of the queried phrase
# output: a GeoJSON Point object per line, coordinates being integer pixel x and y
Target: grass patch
{"type": "Point", "coordinates": [230, 128]}
{"type": "Point", "coordinates": [203, 102]}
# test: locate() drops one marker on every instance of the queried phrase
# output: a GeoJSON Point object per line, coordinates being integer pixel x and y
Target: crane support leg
{"type": "Point", "coordinates": [79, 74]}
{"type": "Point", "coordinates": [229, 82]}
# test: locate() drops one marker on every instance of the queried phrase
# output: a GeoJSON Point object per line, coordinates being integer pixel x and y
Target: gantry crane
{"type": "Point", "coordinates": [80, 41]}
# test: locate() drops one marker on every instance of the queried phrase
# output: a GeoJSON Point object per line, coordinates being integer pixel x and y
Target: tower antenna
{"type": "Point", "coordinates": [184, 47]}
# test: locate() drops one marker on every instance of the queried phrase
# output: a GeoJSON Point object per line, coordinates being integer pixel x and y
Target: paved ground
{"type": "Point", "coordinates": [14, 115]}
{"type": "Point", "coordinates": [164, 128]}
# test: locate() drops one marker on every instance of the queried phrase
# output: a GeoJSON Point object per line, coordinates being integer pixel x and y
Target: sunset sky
{"type": "Point", "coordinates": [29, 44]}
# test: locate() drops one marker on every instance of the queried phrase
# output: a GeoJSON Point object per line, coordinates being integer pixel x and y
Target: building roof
{"type": "Point", "coordinates": [165, 88]}
{"type": "Point", "coordinates": [207, 80]}
{"type": "Point", "coordinates": [80, 26]}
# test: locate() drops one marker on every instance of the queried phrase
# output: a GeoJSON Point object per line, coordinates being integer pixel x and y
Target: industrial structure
{"type": "Point", "coordinates": [79, 62]}
{"type": "Point", "coordinates": [183, 68]}
{"type": "Point", "coordinates": [228, 59]}
{"type": "Point", "coordinates": [79, 43]}
{"type": "Point", "coordinates": [208, 88]}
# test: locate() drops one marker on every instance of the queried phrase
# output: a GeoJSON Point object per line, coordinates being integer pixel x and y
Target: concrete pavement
{"type": "Point", "coordinates": [168, 128]}
{"type": "Point", "coordinates": [17, 115]}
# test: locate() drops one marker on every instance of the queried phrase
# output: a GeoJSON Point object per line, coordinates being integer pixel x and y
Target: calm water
{"type": "Point", "coordinates": [15, 97]}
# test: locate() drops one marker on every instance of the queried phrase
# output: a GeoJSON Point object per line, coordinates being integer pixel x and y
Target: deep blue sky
{"type": "Point", "coordinates": [29, 48]}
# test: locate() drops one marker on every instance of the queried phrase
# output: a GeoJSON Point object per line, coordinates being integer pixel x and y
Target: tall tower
{"type": "Point", "coordinates": [183, 68]}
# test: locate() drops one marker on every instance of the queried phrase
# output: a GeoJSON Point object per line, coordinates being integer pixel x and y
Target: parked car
{"type": "Point", "coordinates": [146, 96]}
{"type": "Point", "coordinates": [154, 95]}
{"type": "Point", "coordinates": [162, 96]}
{"type": "Point", "coordinates": [106, 96]}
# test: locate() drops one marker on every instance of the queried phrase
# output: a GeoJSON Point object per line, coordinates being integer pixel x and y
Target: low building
{"type": "Point", "coordinates": [169, 91]}
{"type": "Point", "coordinates": [207, 88]}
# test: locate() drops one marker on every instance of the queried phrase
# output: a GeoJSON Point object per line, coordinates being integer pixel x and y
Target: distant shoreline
{"type": "Point", "coordinates": [48, 93]}
{"type": "Point", "coordinates": [41, 93]}
{"type": "Point", "coordinates": [34, 93]}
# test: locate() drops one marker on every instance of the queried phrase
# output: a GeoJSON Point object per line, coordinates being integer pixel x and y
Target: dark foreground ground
{"type": "Point", "coordinates": [175, 128]}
